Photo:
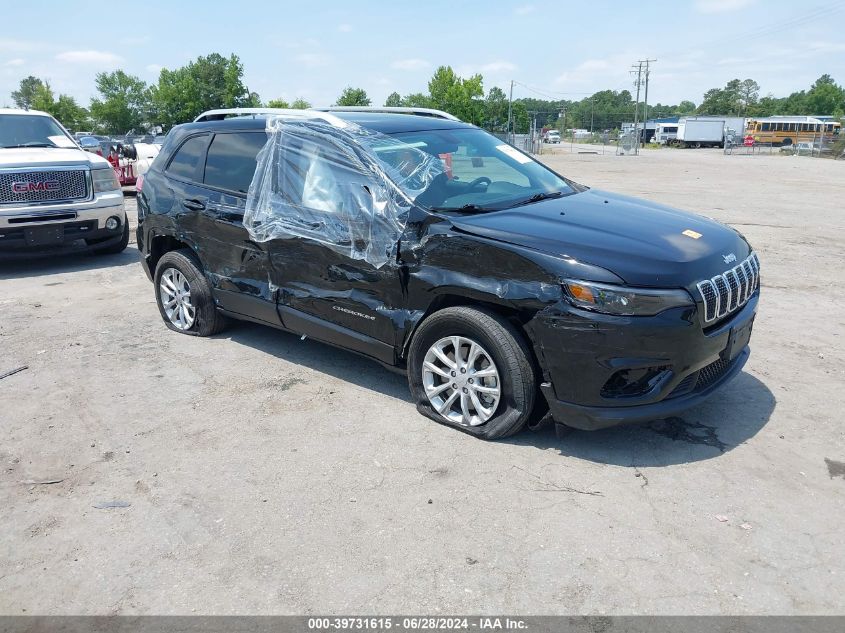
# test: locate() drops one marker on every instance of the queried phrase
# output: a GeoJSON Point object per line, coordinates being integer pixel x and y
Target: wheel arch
{"type": "Point", "coordinates": [164, 243]}
{"type": "Point", "coordinates": [515, 316]}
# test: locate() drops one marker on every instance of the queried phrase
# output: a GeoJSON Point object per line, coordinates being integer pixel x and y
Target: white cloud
{"type": "Point", "coordinates": [410, 64]}
{"type": "Point", "coordinates": [344, 28]}
{"type": "Point", "coordinates": [15, 62]}
{"type": "Point", "coordinates": [102, 58]}
{"type": "Point", "coordinates": [594, 64]}
{"type": "Point", "coordinates": [721, 6]}
{"type": "Point", "coordinates": [525, 9]}
{"type": "Point", "coordinates": [313, 60]}
{"type": "Point", "coordinates": [19, 45]}
{"type": "Point", "coordinates": [154, 68]}
{"type": "Point", "coordinates": [498, 67]}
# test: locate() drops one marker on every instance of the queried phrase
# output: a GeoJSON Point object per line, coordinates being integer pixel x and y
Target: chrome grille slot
{"type": "Point", "coordinates": [727, 292]}
{"type": "Point", "coordinates": [22, 187]}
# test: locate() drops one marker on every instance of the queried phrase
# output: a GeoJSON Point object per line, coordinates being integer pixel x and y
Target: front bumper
{"type": "Point", "coordinates": [581, 353]}
{"type": "Point", "coordinates": [51, 228]}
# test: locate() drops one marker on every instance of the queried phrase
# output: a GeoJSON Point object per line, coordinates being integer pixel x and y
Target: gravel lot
{"type": "Point", "coordinates": [270, 475]}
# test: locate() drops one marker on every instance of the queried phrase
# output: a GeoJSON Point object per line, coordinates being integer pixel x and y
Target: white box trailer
{"type": "Point", "coordinates": [696, 132]}
{"type": "Point", "coordinates": [665, 133]}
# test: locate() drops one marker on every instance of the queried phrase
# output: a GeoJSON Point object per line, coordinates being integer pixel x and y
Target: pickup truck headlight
{"type": "Point", "coordinates": [104, 180]}
{"type": "Point", "coordinates": [623, 301]}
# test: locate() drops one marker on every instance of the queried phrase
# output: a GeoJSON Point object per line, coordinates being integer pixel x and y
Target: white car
{"type": "Point", "coordinates": [53, 195]}
{"type": "Point", "coordinates": [552, 136]}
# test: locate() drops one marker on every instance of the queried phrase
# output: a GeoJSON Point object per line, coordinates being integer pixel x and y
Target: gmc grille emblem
{"type": "Point", "coordinates": [27, 186]}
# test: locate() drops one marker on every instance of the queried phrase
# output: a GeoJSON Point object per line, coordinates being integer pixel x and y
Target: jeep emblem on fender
{"type": "Point", "coordinates": [729, 258]}
{"type": "Point", "coordinates": [27, 186]}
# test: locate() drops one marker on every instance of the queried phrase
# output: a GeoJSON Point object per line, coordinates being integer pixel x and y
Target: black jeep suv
{"type": "Point", "coordinates": [503, 289]}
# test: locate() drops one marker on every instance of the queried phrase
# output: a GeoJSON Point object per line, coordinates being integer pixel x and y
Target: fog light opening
{"type": "Point", "coordinates": [112, 223]}
{"type": "Point", "coordinates": [629, 383]}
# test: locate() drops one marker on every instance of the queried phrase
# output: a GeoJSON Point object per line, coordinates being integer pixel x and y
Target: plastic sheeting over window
{"type": "Point", "coordinates": [348, 188]}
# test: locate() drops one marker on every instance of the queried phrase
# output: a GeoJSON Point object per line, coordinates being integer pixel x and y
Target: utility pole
{"type": "Point", "coordinates": [510, 114]}
{"type": "Point", "coordinates": [645, 105]}
{"type": "Point", "coordinates": [639, 68]}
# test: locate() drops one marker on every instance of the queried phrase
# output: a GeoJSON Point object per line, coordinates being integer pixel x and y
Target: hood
{"type": "Point", "coordinates": [23, 157]}
{"type": "Point", "coordinates": [643, 243]}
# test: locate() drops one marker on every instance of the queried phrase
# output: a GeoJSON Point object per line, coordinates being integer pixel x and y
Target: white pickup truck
{"type": "Point", "coordinates": [53, 195]}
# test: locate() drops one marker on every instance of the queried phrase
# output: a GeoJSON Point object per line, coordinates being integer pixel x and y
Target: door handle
{"type": "Point", "coordinates": [193, 204]}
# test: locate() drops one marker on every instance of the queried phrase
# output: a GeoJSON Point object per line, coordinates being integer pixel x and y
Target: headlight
{"type": "Point", "coordinates": [104, 180]}
{"type": "Point", "coordinates": [623, 301]}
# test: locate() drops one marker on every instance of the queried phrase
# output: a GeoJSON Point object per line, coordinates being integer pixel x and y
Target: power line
{"type": "Point", "coordinates": [548, 93]}
{"type": "Point", "coordinates": [805, 17]}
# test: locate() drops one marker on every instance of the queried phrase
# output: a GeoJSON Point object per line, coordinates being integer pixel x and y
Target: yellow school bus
{"type": "Point", "coordinates": [786, 130]}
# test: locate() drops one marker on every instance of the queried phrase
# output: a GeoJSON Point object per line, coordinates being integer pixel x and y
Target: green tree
{"type": "Point", "coordinates": [393, 100]}
{"type": "Point", "coordinates": [521, 120]}
{"type": "Point", "coordinates": [123, 103]}
{"type": "Point", "coordinates": [70, 114]}
{"type": "Point", "coordinates": [416, 100]}
{"type": "Point", "coordinates": [825, 97]}
{"type": "Point", "coordinates": [206, 83]}
{"type": "Point", "coordinates": [685, 107]}
{"type": "Point", "coordinates": [748, 92]}
{"type": "Point", "coordinates": [64, 109]}
{"type": "Point", "coordinates": [460, 97]}
{"type": "Point", "coordinates": [496, 110]}
{"type": "Point", "coordinates": [25, 93]}
{"type": "Point", "coordinates": [300, 104]}
{"type": "Point", "coordinates": [278, 103]}
{"type": "Point", "coordinates": [353, 97]}
{"type": "Point", "coordinates": [43, 98]}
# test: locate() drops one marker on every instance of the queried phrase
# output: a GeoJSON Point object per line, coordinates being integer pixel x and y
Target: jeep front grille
{"type": "Point", "coordinates": [22, 187]}
{"type": "Point", "coordinates": [729, 291]}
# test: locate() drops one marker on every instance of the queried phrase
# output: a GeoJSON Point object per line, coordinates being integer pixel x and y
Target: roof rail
{"type": "Point", "coordinates": [437, 114]}
{"type": "Point", "coordinates": [285, 113]}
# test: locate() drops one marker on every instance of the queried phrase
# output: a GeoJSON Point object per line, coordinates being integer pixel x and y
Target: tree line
{"type": "Point", "coordinates": [124, 103]}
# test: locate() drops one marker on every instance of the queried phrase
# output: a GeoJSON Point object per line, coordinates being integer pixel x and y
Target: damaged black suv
{"type": "Point", "coordinates": [503, 289]}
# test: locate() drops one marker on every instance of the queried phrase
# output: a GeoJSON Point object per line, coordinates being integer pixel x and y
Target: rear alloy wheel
{"type": "Point", "coordinates": [472, 369]}
{"type": "Point", "coordinates": [184, 297]}
{"type": "Point", "coordinates": [175, 295]}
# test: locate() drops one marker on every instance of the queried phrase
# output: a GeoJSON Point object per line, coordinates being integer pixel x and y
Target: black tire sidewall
{"type": "Point", "coordinates": [514, 407]}
{"type": "Point", "coordinates": [204, 308]}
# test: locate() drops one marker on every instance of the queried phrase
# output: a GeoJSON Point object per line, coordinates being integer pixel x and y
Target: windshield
{"type": "Point", "coordinates": [31, 130]}
{"type": "Point", "coordinates": [480, 171]}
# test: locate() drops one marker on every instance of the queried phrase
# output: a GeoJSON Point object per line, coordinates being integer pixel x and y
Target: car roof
{"type": "Point", "coordinates": [20, 111]}
{"type": "Point", "coordinates": [386, 123]}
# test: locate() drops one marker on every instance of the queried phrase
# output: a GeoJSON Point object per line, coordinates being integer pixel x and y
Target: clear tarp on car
{"type": "Point", "coordinates": [347, 188]}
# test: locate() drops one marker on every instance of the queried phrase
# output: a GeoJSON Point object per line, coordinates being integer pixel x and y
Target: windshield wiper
{"type": "Point", "coordinates": [467, 208]}
{"type": "Point", "coordinates": [537, 197]}
{"type": "Point", "coordinates": [28, 145]}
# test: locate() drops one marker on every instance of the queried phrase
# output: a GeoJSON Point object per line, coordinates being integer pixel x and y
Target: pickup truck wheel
{"type": "Point", "coordinates": [120, 246]}
{"type": "Point", "coordinates": [184, 297]}
{"type": "Point", "coordinates": [469, 368]}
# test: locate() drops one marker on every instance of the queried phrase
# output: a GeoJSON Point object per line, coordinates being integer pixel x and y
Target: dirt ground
{"type": "Point", "coordinates": [265, 474]}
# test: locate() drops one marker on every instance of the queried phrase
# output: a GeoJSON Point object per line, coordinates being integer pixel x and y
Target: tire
{"type": "Point", "coordinates": [509, 353]}
{"type": "Point", "coordinates": [786, 142]}
{"type": "Point", "coordinates": [206, 319]}
{"type": "Point", "coordinates": [118, 247]}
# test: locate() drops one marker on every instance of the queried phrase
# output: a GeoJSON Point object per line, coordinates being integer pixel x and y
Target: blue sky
{"type": "Point", "coordinates": [553, 49]}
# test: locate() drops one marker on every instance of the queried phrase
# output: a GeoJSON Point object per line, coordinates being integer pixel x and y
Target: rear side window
{"type": "Point", "coordinates": [186, 161]}
{"type": "Point", "coordinates": [231, 160]}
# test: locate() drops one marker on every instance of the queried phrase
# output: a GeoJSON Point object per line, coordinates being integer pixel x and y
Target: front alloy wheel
{"type": "Point", "coordinates": [461, 381]}
{"type": "Point", "coordinates": [472, 369]}
{"type": "Point", "coordinates": [175, 295]}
